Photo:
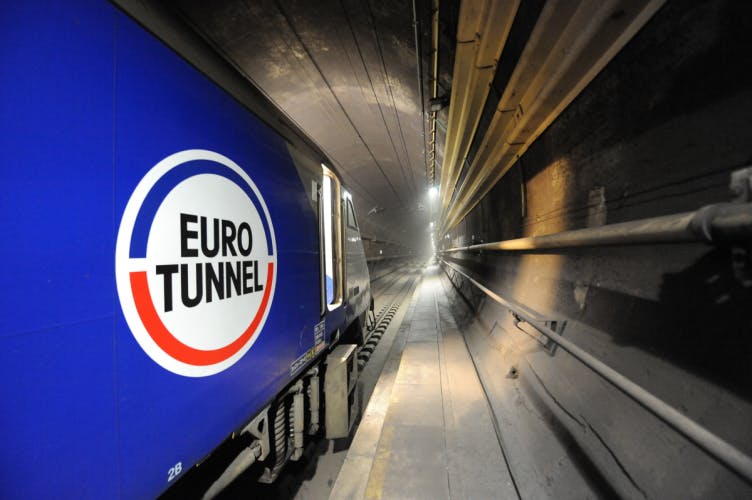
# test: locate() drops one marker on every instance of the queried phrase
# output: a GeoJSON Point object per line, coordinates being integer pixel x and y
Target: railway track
{"type": "Point", "coordinates": [396, 286]}
{"type": "Point", "coordinates": [314, 475]}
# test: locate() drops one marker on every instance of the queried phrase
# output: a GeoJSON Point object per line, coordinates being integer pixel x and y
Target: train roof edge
{"type": "Point", "coordinates": [177, 33]}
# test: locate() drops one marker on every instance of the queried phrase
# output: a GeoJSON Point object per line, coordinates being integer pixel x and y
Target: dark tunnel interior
{"type": "Point", "coordinates": [507, 164]}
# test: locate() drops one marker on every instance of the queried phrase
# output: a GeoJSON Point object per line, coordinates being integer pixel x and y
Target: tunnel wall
{"type": "Point", "coordinates": [385, 258]}
{"type": "Point", "coordinates": [657, 132]}
{"type": "Point", "coordinates": [379, 267]}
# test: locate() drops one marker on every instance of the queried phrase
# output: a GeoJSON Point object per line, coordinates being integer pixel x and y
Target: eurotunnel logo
{"type": "Point", "coordinates": [195, 263]}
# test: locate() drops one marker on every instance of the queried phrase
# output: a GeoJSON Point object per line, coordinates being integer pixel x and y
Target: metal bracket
{"type": "Point", "coordinates": [259, 429]}
{"type": "Point", "coordinates": [554, 325]}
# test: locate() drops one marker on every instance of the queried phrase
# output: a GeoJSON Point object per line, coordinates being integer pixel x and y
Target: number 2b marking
{"type": "Point", "coordinates": [174, 471]}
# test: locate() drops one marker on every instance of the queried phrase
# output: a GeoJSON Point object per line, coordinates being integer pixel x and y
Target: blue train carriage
{"type": "Point", "coordinates": [182, 265]}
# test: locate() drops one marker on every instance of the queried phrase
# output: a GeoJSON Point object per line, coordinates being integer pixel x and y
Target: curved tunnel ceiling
{"type": "Point", "coordinates": [346, 72]}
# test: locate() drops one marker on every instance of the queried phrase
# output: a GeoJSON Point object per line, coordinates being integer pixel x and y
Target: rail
{"type": "Point", "coordinates": [721, 223]}
{"type": "Point", "coordinates": [724, 452]}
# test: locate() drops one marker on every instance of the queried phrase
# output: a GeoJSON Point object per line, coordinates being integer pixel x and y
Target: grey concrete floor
{"type": "Point", "coordinates": [427, 432]}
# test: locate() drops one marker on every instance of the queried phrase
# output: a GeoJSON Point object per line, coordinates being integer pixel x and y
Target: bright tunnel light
{"type": "Point", "coordinates": [433, 192]}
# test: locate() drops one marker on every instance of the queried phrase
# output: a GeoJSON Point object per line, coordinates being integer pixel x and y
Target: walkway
{"type": "Point", "coordinates": [427, 431]}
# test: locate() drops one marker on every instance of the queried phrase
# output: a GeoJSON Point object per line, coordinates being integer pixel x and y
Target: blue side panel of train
{"type": "Point", "coordinates": [90, 102]}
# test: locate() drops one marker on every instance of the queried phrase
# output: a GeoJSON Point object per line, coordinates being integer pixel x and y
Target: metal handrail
{"type": "Point", "coordinates": [725, 453]}
{"type": "Point", "coordinates": [721, 223]}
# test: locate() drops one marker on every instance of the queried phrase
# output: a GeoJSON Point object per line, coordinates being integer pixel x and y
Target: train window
{"type": "Point", "coordinates": [352, 222]}
{"type": "Point", "coordinates": [332, 239]}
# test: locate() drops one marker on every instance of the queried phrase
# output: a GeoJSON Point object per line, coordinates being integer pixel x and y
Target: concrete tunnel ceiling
{"type": "Point", "coordinates": [346, 72]}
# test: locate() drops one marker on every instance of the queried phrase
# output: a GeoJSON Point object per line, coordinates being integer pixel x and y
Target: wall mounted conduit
{"type": "Point", "coordinates": [722, 451]}
{"type": "Point", "coordinates": [482, 31]}
{"type": "Point", "coordinates": [569, 45]}
{"type": "Point", "coordinates": [722, 223]}
{"type": "Point", "coordinates": [419, 67]}
{"type": "Point", "coordinates": [434, 88]}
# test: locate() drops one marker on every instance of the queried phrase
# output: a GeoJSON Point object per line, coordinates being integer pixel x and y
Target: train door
{"type": "Point", "coordinates": [331, 218]}
{"type": "Point", "coordinates": [357, 288]}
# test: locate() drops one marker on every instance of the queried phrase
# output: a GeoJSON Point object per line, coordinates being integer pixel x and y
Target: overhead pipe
{"type": "Point", "coordinates": [482, 31]}
{"type": "Point", "coordinates": [724, 452]}
{"type": "Point", "coordinates": [720, 223]}
{"type": "Point", "coordinates": [570, 44]}
{"type": "Point", "coordinates": [421, 96]}
{"type": "Point", "coordinates": [435, 88]}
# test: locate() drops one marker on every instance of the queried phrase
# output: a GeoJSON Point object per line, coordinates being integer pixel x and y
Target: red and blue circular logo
{"type": "Point", "coordinates": [195, 263]}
